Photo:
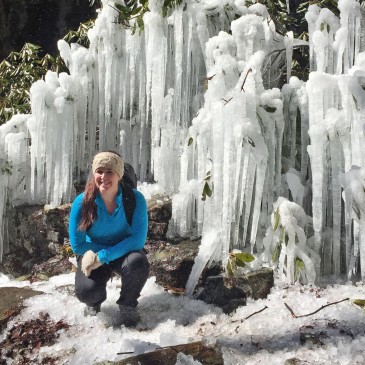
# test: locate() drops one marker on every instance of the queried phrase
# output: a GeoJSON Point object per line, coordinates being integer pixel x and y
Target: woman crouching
{"type": "Point", "coordinates": [104, 242]}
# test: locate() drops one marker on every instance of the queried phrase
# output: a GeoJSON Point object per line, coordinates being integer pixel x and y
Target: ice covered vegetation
{"type": "Point", "coordinates": [193, 103]}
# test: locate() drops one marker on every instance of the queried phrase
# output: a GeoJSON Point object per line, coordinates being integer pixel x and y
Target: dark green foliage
{"type": "Point", "coordinates": [21, 69]}
{"type": "Point", "coordinates": [134, 11]}
{"type": "Point", "coordinates": [207, 191]}
{"type": "Point", "coordinates": [17, 73]}
{"type": "Point", "coordinates": [295, 21]}
{"type": "Point", "coordinates": [80, 35]}
{"type": "Point", "coordinates": [237, 259]}
{"type": "Point", "coordinates": [359, 302]}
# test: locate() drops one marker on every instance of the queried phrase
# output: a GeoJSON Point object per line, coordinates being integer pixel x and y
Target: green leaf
{"type": "Point", "coordinates": [190, 141]}
{"type": "Point", "coordinates": [121, 8]}
{"type": "Point", "coordinates": [240, 263]}
{"type": "Point", "coordinates": [359, 302]}
{"type": "Point", "coordinates": [136, 11]}
{"type": "Point", "coordinates": [299, 263]}
{"type": "Point", "coordinates": [243, 256]}
{"type": "Point", "coordinates": [276, 219]}
{"type": "Point", "coordinates": [269, 109]}
{"type": "Point", "coordinates": [207, 189]}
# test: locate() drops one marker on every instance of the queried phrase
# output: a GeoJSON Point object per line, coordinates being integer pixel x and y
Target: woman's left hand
{"type": "Point", "coordinates": [90, 261]}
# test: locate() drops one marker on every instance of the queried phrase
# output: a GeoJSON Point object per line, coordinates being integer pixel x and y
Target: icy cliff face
{"type": "Point", "coordinates": [192, 102]}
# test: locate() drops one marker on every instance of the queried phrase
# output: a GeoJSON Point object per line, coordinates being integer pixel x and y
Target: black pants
{"type": "Point", "coordinates": [133, 269]}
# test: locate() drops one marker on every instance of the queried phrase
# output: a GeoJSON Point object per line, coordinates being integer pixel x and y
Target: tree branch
{"type": "Point", "coordinates": [316, 311]}
{"type": "Point", "coordinates": [252, 314]}
{"type": "Point", "coordinates": [227, 101]}
{"type": "Point", "coordinates": [250, 70]}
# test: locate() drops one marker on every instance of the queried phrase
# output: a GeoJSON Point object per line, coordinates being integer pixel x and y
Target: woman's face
{"type": "Point", "coordinates": [106, 180]}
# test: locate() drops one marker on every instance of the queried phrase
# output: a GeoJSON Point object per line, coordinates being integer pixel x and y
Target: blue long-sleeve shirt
{"type": "Point", "coordinates": [110, 235]}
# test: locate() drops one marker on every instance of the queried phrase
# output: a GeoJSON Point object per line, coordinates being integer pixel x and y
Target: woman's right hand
{"type": "Point", "coordinates": [90, 261]}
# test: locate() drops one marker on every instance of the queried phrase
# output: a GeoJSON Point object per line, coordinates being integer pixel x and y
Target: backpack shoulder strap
{"type": "Point", "coordinates": [129, 202]}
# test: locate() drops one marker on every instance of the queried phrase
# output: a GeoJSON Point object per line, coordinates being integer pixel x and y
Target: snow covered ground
{"type": "Point", "coordinates": [334, 335]}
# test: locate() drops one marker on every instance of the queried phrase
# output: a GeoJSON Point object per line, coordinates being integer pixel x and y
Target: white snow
{"type": "Point", "coordinates": [268, 337]}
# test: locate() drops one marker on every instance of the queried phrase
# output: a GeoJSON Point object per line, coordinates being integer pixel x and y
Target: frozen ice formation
{"type": "Point", "coordinates": [194, 103]}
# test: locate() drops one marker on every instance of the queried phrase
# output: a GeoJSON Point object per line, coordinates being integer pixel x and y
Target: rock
{"type": "Point", "coordinates": [159, 214]}
{"type": "Point", "coordinates": [205, 354]}
{"type": "Point", "coordinates": [11, 302]}
{"type": "Point", "coordinates": [295, 361]}
{"type": "Point", "coordinates": [219, 291]}
{"type": "Point", "coordinates": [35, 235]}
{"type": "Point", "coordinates": [172, 264]}
{"type": "Point", "coordinates": [157, 230]}
{"type": "Point", "coordinates": [230, 293]}
{"type": "Point", "coordinates": [159, 209]}
{"type": "Point", "coordinates": [56, 265]}
{"type": "Point", "coordinates": [257, 284]}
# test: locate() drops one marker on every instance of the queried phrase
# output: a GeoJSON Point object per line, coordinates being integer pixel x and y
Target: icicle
{"type": "Point", "coordinates": [288, 41]}
{"type": "Point", "coordinates": [206, 249]}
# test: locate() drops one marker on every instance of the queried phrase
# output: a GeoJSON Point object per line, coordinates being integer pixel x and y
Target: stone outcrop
{"type": "Point", "coordinates": [257, 284]}
{"type": "Point", "coordinates": [35, 235]}
{"type": "Point", "coordinates": [230, 293]}
{"type": "Point", "coordinates": [219, 292]}
{"type": "Point", "coordinates": [159, 215]}
{"type": "Point", "coordinates": [171, 264]}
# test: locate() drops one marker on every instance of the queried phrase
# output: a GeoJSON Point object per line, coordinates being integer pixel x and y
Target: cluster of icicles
{"type": "Point", "coordinates": [192, 103]}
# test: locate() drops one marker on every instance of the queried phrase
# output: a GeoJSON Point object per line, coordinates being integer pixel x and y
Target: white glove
{"type": "Point", "coordinates": [89, 262]}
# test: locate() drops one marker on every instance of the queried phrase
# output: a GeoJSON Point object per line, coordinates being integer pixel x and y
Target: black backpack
{"type": "Point", "coordinates": [129, 182]}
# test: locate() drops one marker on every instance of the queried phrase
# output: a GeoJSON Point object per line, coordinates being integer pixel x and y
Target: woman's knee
{"type": "Point", "coordinates": [137, 261]}
{"type": "Point", "coordinates": [90, 292]}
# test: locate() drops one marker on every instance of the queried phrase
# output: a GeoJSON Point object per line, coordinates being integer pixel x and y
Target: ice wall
{"type": "Point", "coordinates": [336, 130]}
{"type": "Point", "coordinates": [192, 103]}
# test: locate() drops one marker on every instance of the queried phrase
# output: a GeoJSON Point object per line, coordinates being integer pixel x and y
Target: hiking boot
{"type": "Point", "coordinates": [92, 310]}
{"type": "Point", "coordinates": [128, 316]}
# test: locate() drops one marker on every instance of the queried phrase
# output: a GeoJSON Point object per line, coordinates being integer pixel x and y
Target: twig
{"type": "Point", "coordinates": [316, 311]}
{"type": "Point", "coordinates": [261, 310]}
{"type": "Point", "coordinates": [290, 310]}
{"type": "Point", "coordinates": [250, 70]}
{"type": "Point", "coordinates": [227, 101]}
{"type": "Point", "coordinates": [209, 77]}
{"type": "Point", "coordinates": [252, 314]}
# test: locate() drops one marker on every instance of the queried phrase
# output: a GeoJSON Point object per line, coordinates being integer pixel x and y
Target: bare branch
{"type": "Point", "coordinates": [252, 314]}
{"type": "Point", "coordinates": [227, 101]}
{"type": "Point", "coordinates": [261, 310]}
{"type": "Point", "coordinates": [316, 311]}
{"type": "Point", "coordinates": [250, 70]}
